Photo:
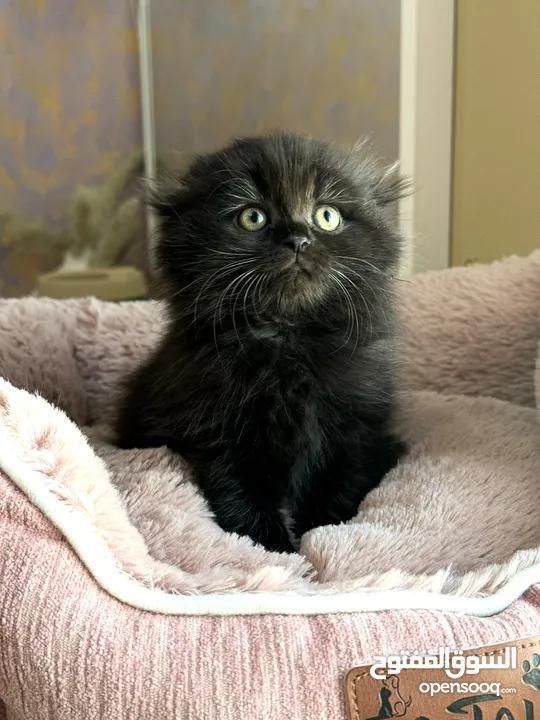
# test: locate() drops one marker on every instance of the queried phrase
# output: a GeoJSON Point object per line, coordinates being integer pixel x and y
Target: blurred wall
{"type": "Point", "coordinates": [69, 108]}
{"type": "Point", "coordinates": [69, 91]}
{"type": "Point", "coordinates": [228, 67]}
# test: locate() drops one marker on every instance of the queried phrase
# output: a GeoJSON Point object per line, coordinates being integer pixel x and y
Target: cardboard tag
{"type": "Point", "coordinates": [499, 682]}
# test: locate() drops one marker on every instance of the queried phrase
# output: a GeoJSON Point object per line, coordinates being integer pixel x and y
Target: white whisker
{"type": "Point", "coordinates": [362, 296]}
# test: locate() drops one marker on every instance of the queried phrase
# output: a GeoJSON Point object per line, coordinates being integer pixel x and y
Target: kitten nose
{"type": "Point", "coordinates": [298, 243]}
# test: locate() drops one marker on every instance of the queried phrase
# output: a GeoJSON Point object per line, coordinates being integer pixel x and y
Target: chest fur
{"type": "Point", "coordinates": [286, 415]}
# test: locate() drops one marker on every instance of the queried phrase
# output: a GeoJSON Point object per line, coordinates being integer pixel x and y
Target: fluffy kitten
{"type": "Point", "coordinates": [275, 378]}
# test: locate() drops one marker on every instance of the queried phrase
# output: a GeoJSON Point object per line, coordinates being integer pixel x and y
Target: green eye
{"type": "Point", "coordinates": [252, 219]}
{"type": "Point", "coordinates": [327, 218]}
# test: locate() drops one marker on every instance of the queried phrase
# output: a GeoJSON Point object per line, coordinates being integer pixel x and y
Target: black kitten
{"type": "Point", "coordinates": [275, 377]}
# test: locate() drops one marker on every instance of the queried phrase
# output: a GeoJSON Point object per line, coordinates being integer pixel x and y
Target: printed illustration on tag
{"type": "Point", "coordinates": [392, 704]}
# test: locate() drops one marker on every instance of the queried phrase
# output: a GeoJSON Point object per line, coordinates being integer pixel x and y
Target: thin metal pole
{"type": "Point", "coordinates": [147, 99]}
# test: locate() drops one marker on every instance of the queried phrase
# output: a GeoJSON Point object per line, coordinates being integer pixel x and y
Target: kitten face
{"type": "Point", "coordinates": [275, 225]}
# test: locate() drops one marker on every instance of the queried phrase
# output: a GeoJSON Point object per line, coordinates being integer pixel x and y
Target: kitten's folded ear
{"type": "Point", "coordinates": [390, 186]}
{"type": "Point", "coordinates": [164, 192]}
{"type": "Point", "coordinates": [167, 196]}
{"type": "Point", "coordinates": [387, 185]}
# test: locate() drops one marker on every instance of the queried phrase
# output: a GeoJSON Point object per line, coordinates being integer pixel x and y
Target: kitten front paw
{"type": "Point", "coordinates": [281, 545]}
{"type": "Point", "coordinates": [263, 527]}
{"type": "Point", "coordinates": [273, 537]}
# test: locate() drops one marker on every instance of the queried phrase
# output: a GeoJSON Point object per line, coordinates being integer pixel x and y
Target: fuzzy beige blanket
{"type": "Point", "coordinates": [459, 516]}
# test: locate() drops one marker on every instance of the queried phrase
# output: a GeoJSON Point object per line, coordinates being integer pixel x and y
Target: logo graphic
{"type": "Point", "coordinates": [532, 673]}
{"type": "Point", "coordinates": [391, 707]}
{"type": "Point", "coordinates": [455, 664]}
{"type": "Point", "coordinates": [491, 683]}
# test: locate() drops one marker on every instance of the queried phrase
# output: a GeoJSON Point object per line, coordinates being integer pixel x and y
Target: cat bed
{"type": "Point", "coordinates": [121, 598]}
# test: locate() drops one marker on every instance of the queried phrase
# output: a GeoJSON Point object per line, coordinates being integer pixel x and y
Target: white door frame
{"type": "Point", "coordinates": [426, 129]}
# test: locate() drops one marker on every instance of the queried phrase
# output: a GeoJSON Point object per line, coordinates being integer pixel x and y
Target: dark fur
{"type": "Point", "coordinates": [279, 387]}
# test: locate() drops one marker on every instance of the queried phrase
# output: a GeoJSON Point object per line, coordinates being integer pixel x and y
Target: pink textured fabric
{"type": "Point", "coordinates": [476, 458]}
{"type": "Point", "coordinates": [24, 338]}
{"type": "Point", "coordinates": [471, 330]}
{"type": "Point", "coordinates": [474, 330]}
{"type": "Point", "coordinates": [68, 651]}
